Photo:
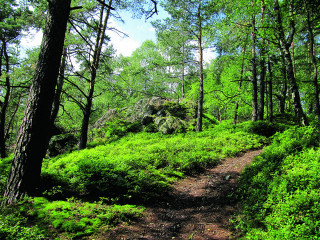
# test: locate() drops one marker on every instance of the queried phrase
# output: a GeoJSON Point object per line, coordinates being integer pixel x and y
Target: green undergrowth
{"type": "Point", "coordinates": [135, 169]}
{"type": "Point", "coordinates": [38, 218]}
{"type": "Point", "coordinates": [280, 190]}
{"type": "Point", "coordinates": [141, 166]}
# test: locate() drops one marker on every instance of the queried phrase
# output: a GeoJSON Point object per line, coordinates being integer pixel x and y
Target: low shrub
{"type": "Point", "coordinates": [142, 166]}
{"type": "Point", "coordinates": [209, 121]}
{"type": "Point", "coordinates": [69, 219]}
{"type": "Point", "coordinates": [15, 224]}
{"type": "Point", "coordinates": [280, 190]}
{"type": "Point", "coordinates": [264, 128]}
{"type": "Point", "coordinates": [5, 164]}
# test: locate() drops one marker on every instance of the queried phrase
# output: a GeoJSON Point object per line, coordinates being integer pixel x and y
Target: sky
{"type": "Point", "coordinates": [138, 31]}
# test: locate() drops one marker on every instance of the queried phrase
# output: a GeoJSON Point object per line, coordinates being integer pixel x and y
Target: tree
{"type": "Point", "coordinates": [9, 31]}
{"type": "Point", "coordinates": [285, 44]}
{"type": "Point", "coordinates": [93, 67]}
{"type": "Point", "coordinates": [311, 38]}
{"type": "Point", "coordinates": [195, 16]}
{"type": "Point", "coordinates": [176, 46]}
{"type": "Point", "coordinates": [32, 139]}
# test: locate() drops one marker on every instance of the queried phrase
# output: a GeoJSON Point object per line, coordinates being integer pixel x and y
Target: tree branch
{"type": "Point", "coordinates": [106, 5]}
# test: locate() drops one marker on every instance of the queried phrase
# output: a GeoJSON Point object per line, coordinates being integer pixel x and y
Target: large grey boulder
{"type": "Point", "coordinates": [154, 115]}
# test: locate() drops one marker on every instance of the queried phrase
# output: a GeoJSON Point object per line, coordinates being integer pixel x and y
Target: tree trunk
{"type": "Point", "coordinates": [236, 107]}
{"type": "Point", "coordinates": [270, 105]}
{"type": "Point", "coordinates": [5, 103]}
{"type": "Point", "coordinates": [285, 46]}
{"type": "Point", "coordinates": [200, 101]}
{"type": "Point", "coordinates": [32, 140]}
{"type": "Point", "coordinates": [57, 96]}
{"type": "Point", "coordinates": [314, 63]}
{"type": "Point", "coordinates": [254, 73]}
{"type": "Point", "coordinates": [183, 74]}
{"type": "Point", "coordinates": [263, 69]}
{"type": "Point", "coordinates": [283, 96]}
{"type": "Point", "coordinates": [262, 87]}
{"type": "Point", "coordinates": [93, 74]}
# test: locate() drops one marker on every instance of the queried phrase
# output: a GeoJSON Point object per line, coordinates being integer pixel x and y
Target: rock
{"type": "Point", "coordinates": [60, 144]}
{"type": "Point", "coordinates": [108, 116]}
{"type": "Point", "coordinates": [147, 119]}
{"type": "Point", "coordinates": [153, 115]}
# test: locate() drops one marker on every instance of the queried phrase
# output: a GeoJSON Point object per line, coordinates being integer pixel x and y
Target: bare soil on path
{"type": "Point", "coordinates": [199, 207]}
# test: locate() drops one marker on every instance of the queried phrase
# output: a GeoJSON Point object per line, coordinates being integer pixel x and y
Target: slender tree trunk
{"type": "Point", "coordinates": [5, 103]}
{"type": "Point", "coordinates": [12, 117]}
{"type": "Point", "coordinates": [314, 63]}
{"type": "Point", "coordinates": [254, 73]}
{"type": "Point", "coordinates": [58, 92]}
{"type": "Point", "coordinates": [285, 46]}
{"type": "Point", "coordinates": [270, 90]}
{"type": "Point", "coordinates": [293, 61]}
{"type": "Point", "coordinates": [262, 85]}
{"type": "Point", "coordinates": [57, 96]}
{"type": "Point", "coordinates": [183, 69]}
{"type": "Point", "coordinates": [93, 74]}
{"type": "Point", "coordinates": [284, 89]}
{"type": "Point", "coordinates": [236, 107]}
{"type": "Point", "coordinates": [200, 101]}
{"type": "Point", "coordinates": [32, 140]}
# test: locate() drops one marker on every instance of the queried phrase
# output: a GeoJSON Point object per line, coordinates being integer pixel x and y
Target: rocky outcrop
{"type": "Point", "coordinates": [154, 115]}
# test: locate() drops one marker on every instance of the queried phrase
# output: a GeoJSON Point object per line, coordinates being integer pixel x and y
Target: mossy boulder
{"type": "Point", "coordinates": [60, 144]}
{"type": "Point", "coordinates": [156, 115]}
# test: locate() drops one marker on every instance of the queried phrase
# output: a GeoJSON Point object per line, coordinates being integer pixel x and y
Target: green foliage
{"type": "Point", "coordinates": [80, 218]}
{"type": "Point", "coordinates": [209, 121]}
{"type": "Point", "coordinates": [113, 129]}
{"type": "Point", "coordinates": [14, 224]}
{"type": "Point", "coordinates": [280, 190]}
{"type": "Point", "coordinates": [73, 218]}
{"type": "Point", "coordinates": [142, 166]}
{"type": "Point", "coordinates": [4, 171]}
{"type": "Point", "coordinates": [264, 128]}
{"type": "Point", "coordinates": [137, 167]}
{"type": "Point", "coordinates": [285, 118]}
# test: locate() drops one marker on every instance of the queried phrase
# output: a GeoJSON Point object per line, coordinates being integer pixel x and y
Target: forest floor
{"type": "Point", "coordinates": [198, 208]}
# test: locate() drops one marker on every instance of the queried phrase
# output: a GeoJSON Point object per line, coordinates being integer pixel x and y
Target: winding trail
{"type": "Point", "coordinates": [199, 208]}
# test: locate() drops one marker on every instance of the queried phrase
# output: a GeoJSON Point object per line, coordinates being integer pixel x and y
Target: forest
{"type": "Point", "coordinates": [90, 139]}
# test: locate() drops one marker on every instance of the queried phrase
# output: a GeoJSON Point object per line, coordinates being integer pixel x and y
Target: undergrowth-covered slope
{"type": "Point", "coordinates": [280, 191]}
{"type": "Point", "coordinates": [81, 192]}
{"type": "Point", "coordinates": [142, 165]}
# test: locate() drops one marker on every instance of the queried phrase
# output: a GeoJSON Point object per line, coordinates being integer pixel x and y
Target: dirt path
{"type": "Point", "coordinates": [199, 207]}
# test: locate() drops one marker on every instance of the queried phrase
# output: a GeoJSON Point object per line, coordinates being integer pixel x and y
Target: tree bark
{"type": "Point", "coordinates": [59, 87]}
{"type": "Point", "coordinates": [314, 63]}
{"type": "Point", "coordinates": [32, 140]}
{"type": "Point", "coordinates": [5, 103]}
{"type": "Point", "coordinates": [285, 46]}
{"type": "Point", "coordinates": [183, 74]}
{"type": "Point", "coordinates": [200, 100]}
{"type": "Point", "coordinates": [93, 74]}
{"type": "Point", "coordinates": [57, 96]}
{"type": "Point", "coordinates": [270, 92]}
{"type": "Point", "coordinates": [282, 98]}
{"type": "Point", "coordinates": [254, 73]}
{"type": "Point", "coordinates": [262, 85]}
{"type": "Point", "coordinates": [236, 107]}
